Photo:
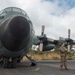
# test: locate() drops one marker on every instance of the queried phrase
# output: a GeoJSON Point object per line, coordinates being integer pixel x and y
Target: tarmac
{"type": "Point", "coordinates": [44, 67]}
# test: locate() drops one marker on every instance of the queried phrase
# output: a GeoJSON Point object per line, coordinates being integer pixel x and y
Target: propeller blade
{"type": "Point", "coordinates": [41, 47]}
{"type": "Point", "coordinates": [69, 32]}
{"type": "Point", "coordinates": [69, 47]}
{"type": "Point", "coordinates": [43, 29]}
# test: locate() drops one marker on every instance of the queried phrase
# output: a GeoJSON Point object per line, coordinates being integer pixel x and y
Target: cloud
{"type": "Point", "coordinates": [56, 15]}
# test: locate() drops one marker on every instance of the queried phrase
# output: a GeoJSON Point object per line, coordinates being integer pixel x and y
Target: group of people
{"type": "Point", "coordinates": [63, 55]}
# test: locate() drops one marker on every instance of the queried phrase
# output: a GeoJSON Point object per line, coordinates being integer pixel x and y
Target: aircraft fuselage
{"type": "Point", "coordinates": [16, 33]}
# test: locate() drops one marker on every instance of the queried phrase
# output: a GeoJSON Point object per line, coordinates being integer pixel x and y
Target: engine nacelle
{"type": "Point", "coordinates": [48, 47]}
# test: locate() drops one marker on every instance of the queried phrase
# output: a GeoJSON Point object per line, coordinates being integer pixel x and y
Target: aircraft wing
{"type": "Point", "coordinates": [46, 43]}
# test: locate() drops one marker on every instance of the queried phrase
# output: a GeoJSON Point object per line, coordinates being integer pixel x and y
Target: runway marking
{"type": "Point", "coordinates": [37, 69]}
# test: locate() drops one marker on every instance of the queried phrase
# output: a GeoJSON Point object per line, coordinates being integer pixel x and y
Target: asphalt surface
{"type": "Point", "coordinates": [44, 67]}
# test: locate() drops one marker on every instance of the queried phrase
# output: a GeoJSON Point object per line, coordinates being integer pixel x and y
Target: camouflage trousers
{"type": "Point", "coordinates": [63, 62]}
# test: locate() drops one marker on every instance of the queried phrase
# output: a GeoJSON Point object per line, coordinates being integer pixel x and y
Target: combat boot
{"type": "Point", "coordinates": [66, 68]}
{"type": "Point", "coordinates": [61, 67]}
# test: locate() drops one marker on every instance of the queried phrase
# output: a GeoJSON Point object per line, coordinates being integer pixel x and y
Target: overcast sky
{"type": "Point", "coordinates": [57, 15]}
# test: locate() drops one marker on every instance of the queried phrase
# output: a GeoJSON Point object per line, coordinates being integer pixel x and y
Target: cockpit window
{"type": "Point", "coordinates": [11, 9]}
{"type": "Point", "coordinates": [1, 11]}
{"type": "Point", "coordinates": [24, 12]}
{"type": "Point", "coordinates": [2, 14]}
{"type": "Point", "coordinates": [17, 10]}
{"type": "Point", "coordinates": [7, 10]}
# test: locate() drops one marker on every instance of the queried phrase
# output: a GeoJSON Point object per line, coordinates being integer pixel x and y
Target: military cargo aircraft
{"type": "Point", "coordinates": [17, 37]}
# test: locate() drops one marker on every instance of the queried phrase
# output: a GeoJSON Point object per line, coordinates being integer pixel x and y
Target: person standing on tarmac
{"type": "Point", "coordinates": [63, 55]}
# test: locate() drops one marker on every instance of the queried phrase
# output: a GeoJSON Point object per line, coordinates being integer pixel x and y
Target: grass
{"type": "Point", "coordinates": [43, 56]}
{"type": "Point", "coordinates": [47, 55]}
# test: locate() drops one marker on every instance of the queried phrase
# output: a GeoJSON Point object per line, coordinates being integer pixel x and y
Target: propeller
{"type": "Point", "coordinates": [69, 40]}
{"type": "Point", "coordinates": [43, 29]}
{"type": "Point", "coordinates": [43, 39]}
{"type": "Point", "coordinates": [42, 36]}
{"type": "Point", "coordinates": [69, 32]}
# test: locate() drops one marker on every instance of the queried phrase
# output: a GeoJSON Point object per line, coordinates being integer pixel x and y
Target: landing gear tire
{"type": "Point", "coordinates": [18, 61]}
{"type": "Point", "coordinates": [33, 63]}
{"type": "Point", "coordinates": [13, 63]}
{"type": "Point", "coordinates": [5, 62]}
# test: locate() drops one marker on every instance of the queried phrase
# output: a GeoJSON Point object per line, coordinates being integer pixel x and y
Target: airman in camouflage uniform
{"type": "Point", "coordinates": [63, 54]}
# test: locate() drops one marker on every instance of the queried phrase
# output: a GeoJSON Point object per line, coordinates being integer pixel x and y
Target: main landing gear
{"type": "Point", "coordinates": [33, 63]}
{"type": "Point", "coordinates": [5, 62]}
{"type": "Point", "coordinates": [9, 63]}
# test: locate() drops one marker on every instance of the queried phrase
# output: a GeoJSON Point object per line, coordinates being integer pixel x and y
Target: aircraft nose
{"type": "Point", "coordinates": [17, 34]}
{"type": "Point", "coordinates": [19, 27]}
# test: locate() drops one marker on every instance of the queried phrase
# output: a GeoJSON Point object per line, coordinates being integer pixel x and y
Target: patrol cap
{"type": "Point", "coordinates": [63, 43]}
